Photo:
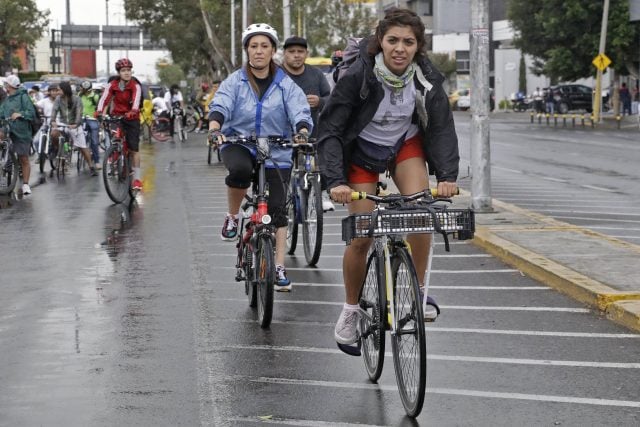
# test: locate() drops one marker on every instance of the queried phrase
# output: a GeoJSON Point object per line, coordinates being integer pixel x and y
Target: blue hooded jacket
{"type": "Point", "coordinates": [283, 106]}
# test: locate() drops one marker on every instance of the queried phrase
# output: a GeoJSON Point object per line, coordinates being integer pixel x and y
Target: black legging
{"type": "Point", "coordinates": [240, 164]}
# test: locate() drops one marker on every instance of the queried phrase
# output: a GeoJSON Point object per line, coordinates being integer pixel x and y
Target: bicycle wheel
{"type": "Point", "coordinates": [312, 220]}
{"type": "Point", "coordinates": [293, 210]}
{"type": "Point", "coordinates": [408, 343]}
{"type": "Point", "coordinates": [210, 146]}
{"type": "Point", "coordinates": [115, 173]}
{"type": "Point", "coordinates": [42, 154]}
{"type": "Point", "coordinates": [248, 269]}
{"type": "Point", "coordinates": [80, 161]}
{"type": "Point", "coordinates": [373, 315]}
{"type": "Point", "coordinates": [265, 276]}
{"type": "Point", "coordinates": [8, 170]}
{"type": "Point", "coordinates": [192, 120]}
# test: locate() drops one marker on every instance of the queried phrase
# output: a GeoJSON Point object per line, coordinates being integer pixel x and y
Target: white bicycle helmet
{"type": "Point", "coordinates": [264, 29]}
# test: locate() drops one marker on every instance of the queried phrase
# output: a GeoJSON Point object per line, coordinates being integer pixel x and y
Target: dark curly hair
{"type": "Point", "coordinates": [397, 17]}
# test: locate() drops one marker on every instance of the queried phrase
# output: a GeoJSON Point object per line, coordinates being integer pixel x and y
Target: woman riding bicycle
{"type": "Point", "coordinates": [389, 112]}
{"type": "Point", "coordinates": [259, 100]}
{"type": "Point", "coordinates": [67, 110]}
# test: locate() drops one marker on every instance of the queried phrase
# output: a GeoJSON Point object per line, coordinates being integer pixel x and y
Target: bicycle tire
{"type": "Point", "coordinates": [293, 209]}
{"type": "Point", "coordinates": [249, 283]}
{"type": "Point", "coordinates": [210, 154]}
{"type": "Point", "coordinates": [410, 366]}
{"type": "Point", "coordinates": [312, 220]}
{"type": "Point", "coordinates": [218, 154]}
{"type": "Point", "coordinates": [8, 174]}
{"type": "Point", "coordinates": [80, 162]}
{"type": "Point", "coordinates": [42, 155]}
{"type": "Point", "coordinates": [192, 122]}
{"type": "Point", "coordinates": [115, 174]}
{"type": "Point", "coordinates": [373, 303]}
{"type": "Point", "coordinates": [265, 277]}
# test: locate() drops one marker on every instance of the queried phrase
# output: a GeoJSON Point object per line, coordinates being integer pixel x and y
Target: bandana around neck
{"type": "Point", "coordinates": [389, 78]}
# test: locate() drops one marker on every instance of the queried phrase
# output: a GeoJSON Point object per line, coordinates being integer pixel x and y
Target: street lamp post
{"type": "Point", "coordinates": [107, 50]}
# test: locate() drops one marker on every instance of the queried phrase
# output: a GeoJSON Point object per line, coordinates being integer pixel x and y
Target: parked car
{"type": "Point", "coordinates": [572, 97]}
{"type": "Point", "coordinates": [455, 96]}
{"type": "Point", "coordinates": [464, 100]}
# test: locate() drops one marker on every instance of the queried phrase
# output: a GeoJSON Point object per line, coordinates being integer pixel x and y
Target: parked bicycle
{"type": "Point", "coordinates": [304, 204]}
{"type": "Point", "coordinates": [9, 163]}
{"type": "Point", "coordinates": [116, 168]}
{"type": "Point", "coordinates": [391, 298]}
{"type": "Point", "coordinates": [255, 264]}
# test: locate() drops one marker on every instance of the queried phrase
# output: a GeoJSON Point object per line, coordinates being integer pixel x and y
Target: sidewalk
{"type": "Point", "coordinates": [571, 120]}
{"type": "Point", "coordinates": [590, 267]}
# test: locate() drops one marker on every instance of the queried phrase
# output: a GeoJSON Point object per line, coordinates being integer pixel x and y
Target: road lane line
{"type": "Point", "coordinates": [445, 391]}
{"type": "Point", "coordinates": [450, 358]}
{"type": "Point", "coordinates": [431, 329]}
{"type": "Point", "coordinates": [296, 422]}
{"type": "Point", "coordinates": [448, 307]}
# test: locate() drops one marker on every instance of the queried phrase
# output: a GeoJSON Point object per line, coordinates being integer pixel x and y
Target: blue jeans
{"type": "Point", "coordinates": [92, 139]}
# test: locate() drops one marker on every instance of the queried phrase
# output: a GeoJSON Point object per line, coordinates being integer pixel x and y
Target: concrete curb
{"type": "Point", "coordinates": [620, 307]}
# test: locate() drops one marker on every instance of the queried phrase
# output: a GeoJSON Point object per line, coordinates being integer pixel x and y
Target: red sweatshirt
{"type": "Point", "coordinates": [125, 100]}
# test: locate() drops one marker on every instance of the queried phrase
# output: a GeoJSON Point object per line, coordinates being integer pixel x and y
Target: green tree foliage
{"type": "Point", "coordinates": [522, 76]}
{"type": "Point", "coordinates": [21, 25]}
{"type": "Point", "coordinates": [564, 35]}
{"type": "Point", "coordinates": [169, 74]}
{"type": "Point", "coordinates": [443, 63]}
{"type": "Point", "coordinates": [181, 24]}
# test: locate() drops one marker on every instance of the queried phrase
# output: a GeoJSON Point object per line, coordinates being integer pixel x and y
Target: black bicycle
{"type": "Point", "coordinates": [64, 151]}
{"type": "Point", "coordinates": [9, 164]}
{"type": "Point", "coordinates": [255, 263]}
{"type": "Point", "coordinates": [116, 165]}
{"type": "Point", "coordinates": [391, 298]}
{"type": "Point", "coordinates": [304, 204]}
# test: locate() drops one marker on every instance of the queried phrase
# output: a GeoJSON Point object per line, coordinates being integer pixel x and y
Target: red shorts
{"type": "Point", "coordinates": [411, 148]}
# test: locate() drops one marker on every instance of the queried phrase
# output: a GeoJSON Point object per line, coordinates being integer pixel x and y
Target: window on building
{"type": "Point", "coordinates": [463, 63]}
{"type": "Point", "coordinates": [421, 7]}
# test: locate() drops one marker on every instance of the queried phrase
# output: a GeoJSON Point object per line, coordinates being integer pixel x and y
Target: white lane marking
{"type": "Point", "coordinates": [430, 329]}
{"type": "Point", "coordinates": [574, 211]}
{"type": "Point", "coordinates": [570, 204]}
{"type": "Point", "coordinates": [445, 391]}
{"type": "Point", "coordinates": [449, 307]}
{"type": "Point", "coordinates": [483, 288]}
{"type": "Point", "coordinates": [297, 422]}
{"type": "Point", "coordinates": [342, 256]}
{"type": "Point", "coordinates": [595, 187]}
{"type": "Point", "coordinates": [449, 358]}
{"type": "Point", "coordinates": [596, 219]}
{"type": "Point", "coordinates": [549, 178]}
{"type": "Point", "coordinates": [599, 227]}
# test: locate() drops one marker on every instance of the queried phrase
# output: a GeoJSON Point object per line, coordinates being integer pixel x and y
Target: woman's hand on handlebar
{"type": "Point", "coordinates": [447, 189]}
{"type": "Point", "coordinates": [341, 194]}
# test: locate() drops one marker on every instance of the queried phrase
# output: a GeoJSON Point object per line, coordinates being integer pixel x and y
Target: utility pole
{"type": "Point", "coordinates": [67, 51]}
{"type": "Point", "coordinates": [597, 99]}
{"type": "Point", "coordinates": [286, 19]}
{"type": "Point", "coordinates": [106, 68]}
{"type": "Point", "coordinates": [480, 148]}
{"type": "Point", "coordinates": [233, 33]}
{"type": "Point", "coordinates": [245, 24]}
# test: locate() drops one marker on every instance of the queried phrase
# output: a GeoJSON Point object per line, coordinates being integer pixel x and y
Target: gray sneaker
{"type": "Point", "coordinates": [346, 331]}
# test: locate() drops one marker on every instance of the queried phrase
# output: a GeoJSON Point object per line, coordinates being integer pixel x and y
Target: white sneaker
{"type": "Point", "coordinates": [346, 331]}
{"type": "Point", "coordinates": [26, 190]}
{"type": "Point", "coordinates": [327, 204]}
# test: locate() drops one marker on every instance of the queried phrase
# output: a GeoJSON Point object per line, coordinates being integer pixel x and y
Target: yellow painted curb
{"type": "Point", "coordinates": [538, 267]}
{"type": "Point", "coordinates": [626, 313]}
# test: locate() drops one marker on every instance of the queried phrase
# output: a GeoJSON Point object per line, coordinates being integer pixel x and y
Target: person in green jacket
{"type": "Point", "coordinates": [19, 111]}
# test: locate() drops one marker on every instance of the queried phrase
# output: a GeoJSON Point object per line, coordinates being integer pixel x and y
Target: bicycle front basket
{"type": "Point", "coordinates": [459, 222]}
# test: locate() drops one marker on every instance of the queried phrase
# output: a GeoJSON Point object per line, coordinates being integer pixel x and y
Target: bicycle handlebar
{"type": "Point", "coordinates": [395, 198]}
{"type": "Point", "coordinates": [271, 140]}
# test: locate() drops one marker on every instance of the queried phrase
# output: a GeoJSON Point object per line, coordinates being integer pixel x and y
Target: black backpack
{"type": "Point", "coordinates": [36, 121]}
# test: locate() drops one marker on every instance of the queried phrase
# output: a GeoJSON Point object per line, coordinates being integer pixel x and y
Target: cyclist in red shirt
{"type": "Point", "coordinates": [122, 96]}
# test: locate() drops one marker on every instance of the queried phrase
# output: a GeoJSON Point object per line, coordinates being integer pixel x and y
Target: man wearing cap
{"type": "Point", "coordinates": [312, 82]}
{"type": "Point", "coordinates": [19, 110]}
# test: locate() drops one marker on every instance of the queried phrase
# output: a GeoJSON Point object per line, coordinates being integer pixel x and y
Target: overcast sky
{"type": "Point", "coordinates": [93, 12]}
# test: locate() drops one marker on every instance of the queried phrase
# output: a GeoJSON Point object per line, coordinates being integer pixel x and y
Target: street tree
{"type": "Point", "coordinates": [21, 25]}
{"type": "Point", "coordinates": [563, 36]}
{"type": "Point", "coordinates": [169, 74]}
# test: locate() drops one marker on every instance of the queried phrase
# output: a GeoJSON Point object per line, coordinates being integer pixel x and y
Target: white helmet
{"type": "Point", "coordinates": [264, 29]}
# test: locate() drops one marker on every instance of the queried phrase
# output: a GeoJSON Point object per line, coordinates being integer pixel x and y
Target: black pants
{"type": "Point", "coordinates": [240, 164]}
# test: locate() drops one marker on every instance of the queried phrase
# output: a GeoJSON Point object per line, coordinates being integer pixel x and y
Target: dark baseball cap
{"type": "Point", "coordinates": [295, 41]}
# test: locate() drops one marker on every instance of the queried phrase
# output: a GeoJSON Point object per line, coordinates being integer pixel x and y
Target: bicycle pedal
{"type": "Point", "coordinates": [351, 349]}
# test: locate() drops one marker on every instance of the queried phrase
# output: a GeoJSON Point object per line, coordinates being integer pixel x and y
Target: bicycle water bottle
{"type": "Point", "coordinates": [66, 147]}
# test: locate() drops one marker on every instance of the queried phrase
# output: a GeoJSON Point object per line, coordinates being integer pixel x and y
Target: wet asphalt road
{"type": "Point", "coordinates": [111, 316]}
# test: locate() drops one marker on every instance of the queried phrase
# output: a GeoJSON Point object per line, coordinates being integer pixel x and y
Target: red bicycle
{"type": "Point", "coordinates": [116, 167]}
